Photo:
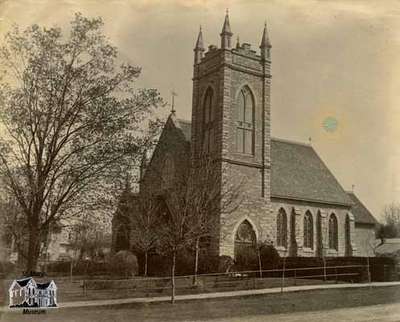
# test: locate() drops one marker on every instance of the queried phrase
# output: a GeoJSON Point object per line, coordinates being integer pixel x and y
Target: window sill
{"type": "Point", "coordinates": [243, 154]}
{"type": "Point", "coordinates": [332, 251]}
{"type": "Point", "coordinates": [281, 248]}
{"type": "Point", "coordinates": [308, 250]}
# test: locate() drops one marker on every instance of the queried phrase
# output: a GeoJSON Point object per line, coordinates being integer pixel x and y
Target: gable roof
{"type": "Point", "coordinates": [297, 172]}
{"type": "Point", "coordinates": [184, 126]}
{"type": "Point", "coordinates": [43, 286]}
{"type": "Point", "coordinates": [24, 281]}
{"type": "Point", "coordinates": [390, 246]}
{"type": "Point", "coordinates": [361, 214]}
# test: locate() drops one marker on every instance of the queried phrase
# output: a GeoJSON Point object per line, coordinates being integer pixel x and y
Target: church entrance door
{"type": "Point", "coordinates": [245, 245]}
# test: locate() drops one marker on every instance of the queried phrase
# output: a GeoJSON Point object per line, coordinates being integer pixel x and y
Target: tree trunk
{"type": "Point", "coordinates": [196, 261]}
{"type": "Point", "coordinates": [145, 263]}
{"type": "Point", "coordinates": [259, 260]}
{"type": "Point", "coordinates": [173, 278]}
{"type": "Point", "coordinates": [33, 247]}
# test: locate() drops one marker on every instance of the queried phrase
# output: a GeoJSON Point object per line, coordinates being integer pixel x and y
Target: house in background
{"type": "Point", "coordinates": [389, 247]}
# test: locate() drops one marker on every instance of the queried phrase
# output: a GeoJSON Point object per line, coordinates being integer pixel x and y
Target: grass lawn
{"type": "Point", "coordinates": [221, 308]}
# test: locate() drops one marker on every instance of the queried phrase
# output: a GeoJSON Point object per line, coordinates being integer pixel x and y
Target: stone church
{"type": "Point", "coordinates": [291, 197]}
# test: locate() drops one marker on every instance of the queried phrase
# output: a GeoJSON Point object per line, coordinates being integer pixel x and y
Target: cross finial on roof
{"type": "Point", "coordinates": [352, 187]}
{"type": "Point", "coordinates": [173, 94]}
{"type": "Point", "coordinates": [310, 140]}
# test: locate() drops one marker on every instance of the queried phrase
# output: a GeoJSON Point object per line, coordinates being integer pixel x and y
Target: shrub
{"type": "Point", "coordinates": [225, 264]}
{"type": "Point", "coordinates": [270, 258]}
{"type": "Point", "coordinates": [209, 263]}
{"type": "Point", "coordinates": [124, 263]}
{"type": "Point", "coordinates": [247, 259]}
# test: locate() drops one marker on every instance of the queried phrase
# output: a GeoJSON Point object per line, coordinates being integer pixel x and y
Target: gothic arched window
{"type": "Point", "coordinates": [281, 228]}
{"type": "Point", "coordinates": [208, 122]}
{"type": "Point", "coordinates": [168, 171]}
{"type": "Point", "coordinates": [333, 232]}
{"type": "Point", "coordinates": [245, 122]}
{"type": "Point", "coordinates": [308, 231]}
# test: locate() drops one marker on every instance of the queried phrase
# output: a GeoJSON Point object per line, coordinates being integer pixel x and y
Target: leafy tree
{"type": "Point", "coordinates": [71, 120]}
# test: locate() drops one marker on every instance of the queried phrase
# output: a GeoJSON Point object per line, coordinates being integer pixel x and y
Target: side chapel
{"type": "Point", "coordinates": [291, 198]}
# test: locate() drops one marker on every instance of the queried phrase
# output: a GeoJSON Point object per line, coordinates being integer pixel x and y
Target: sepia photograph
{"type": "Point", "coordinates": [199, 160]}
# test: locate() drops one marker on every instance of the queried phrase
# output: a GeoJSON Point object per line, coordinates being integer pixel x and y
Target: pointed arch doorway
{"type": "Point", "coordinates": [245, 243]}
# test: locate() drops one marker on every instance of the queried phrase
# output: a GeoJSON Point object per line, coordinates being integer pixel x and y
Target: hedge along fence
{"type": "Point", "coordinates": [379, 268]}
{"type": "Point", "coordinates": [232, 280]}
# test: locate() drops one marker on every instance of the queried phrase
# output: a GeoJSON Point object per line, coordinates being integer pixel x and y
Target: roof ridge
{"type": "Point", "coordinates": [290, 141]}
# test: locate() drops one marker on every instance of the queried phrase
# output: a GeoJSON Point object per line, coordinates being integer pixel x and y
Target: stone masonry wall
{"type": "Point", "coordinates": [300, 209]}
{"type": "Point", "coordinates": [365, 239]}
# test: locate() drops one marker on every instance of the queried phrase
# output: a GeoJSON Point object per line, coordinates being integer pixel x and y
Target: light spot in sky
{"type": "Point", "coordinates": [330, 124]}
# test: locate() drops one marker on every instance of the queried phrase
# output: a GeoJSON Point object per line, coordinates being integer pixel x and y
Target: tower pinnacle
{"type": "Point", "coordinates": [199, 48]}
{"type": "Point", "coordinates": [265, 44]}
{"type": "Point", "coordinates": [226, 33]}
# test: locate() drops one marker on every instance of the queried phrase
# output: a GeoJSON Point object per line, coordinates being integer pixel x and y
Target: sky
{"type": "Point", "coordinates": [334, 68]}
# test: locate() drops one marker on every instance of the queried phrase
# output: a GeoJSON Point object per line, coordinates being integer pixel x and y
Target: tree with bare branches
{"type": "Point", "coordinates": [145, 221]}
{"type": "Point", "coordinates": [194, 200]}
{"type": "Point", "coordinates": [391, 227]}
{"type": "Point", "coordinates": [71, 120]}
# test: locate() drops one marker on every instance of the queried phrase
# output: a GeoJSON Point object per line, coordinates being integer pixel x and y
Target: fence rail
{"type": "Point", "coordinates": [212, 282]}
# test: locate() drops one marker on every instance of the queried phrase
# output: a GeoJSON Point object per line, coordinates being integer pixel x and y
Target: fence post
{"type": "Point", "coordinates": [283, 275]}
{"type": "Point", "coordinates": [70, 271]}
{"type": "Point", "coordinates": [336, 276]}
{"type": "Point", "coordinates": [295, 274]}
{"type": "Point", "coordinates": [368, 271]}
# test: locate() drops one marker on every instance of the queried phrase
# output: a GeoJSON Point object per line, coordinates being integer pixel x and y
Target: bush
{"type": "Point", "coordinates": [247, 260]}
{"type": "Point", "coordinates": [381, 268]}
{"type": "Point", "coordinates": [159, 265]}
{"type": "Point", "coordinates": [124, 263]}
{"type": "Point", "coordinates": [225, 264]}
{"type": "Point", "coordinates": [270, 258]}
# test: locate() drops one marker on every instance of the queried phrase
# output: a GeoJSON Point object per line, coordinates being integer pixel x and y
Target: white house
{"type": "Point", "coordinates": [27, 293]}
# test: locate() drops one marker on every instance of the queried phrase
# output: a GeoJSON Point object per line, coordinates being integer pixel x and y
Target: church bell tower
{"type": "Point", "coordinates": [231, 121]}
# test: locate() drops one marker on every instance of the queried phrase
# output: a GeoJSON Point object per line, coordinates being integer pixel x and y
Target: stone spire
{"type": "Point", "coordinates": [238, 43]}
{"type": "Point", "coordinates": [265, 44]}
{"type": "Point", "coordinates": [226, 33]}
{"type": "Point", "coordinates": [199, 48]}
